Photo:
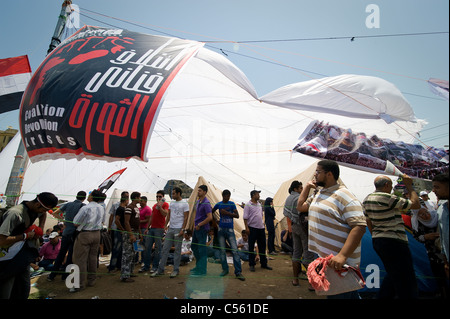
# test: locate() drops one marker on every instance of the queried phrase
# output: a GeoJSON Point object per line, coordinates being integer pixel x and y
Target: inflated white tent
{"type": "Point", "coordinates": [213, 124]}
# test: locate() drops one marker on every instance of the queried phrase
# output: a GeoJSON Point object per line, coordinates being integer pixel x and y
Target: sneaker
{"type": "Point", "coordinates": [72, 290]}
{"type": "Point", "coordinates": [240, 277]}
{"type": "Point", "coordinates": [267, 267]}
{"type": "Point", "coordinates": [156, 274]}
{"type": "Point", "coordinates": [143, 269]}
{"type": "Point", "coordinates": [174, 274]}
{"type": "Point", "coordinates": [252, 268]}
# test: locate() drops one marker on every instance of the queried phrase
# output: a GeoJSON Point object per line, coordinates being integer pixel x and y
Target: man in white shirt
{"type": "Point", "coordinates": [85, 250]}
{"type": "Point", "coordinates": [176, 219]}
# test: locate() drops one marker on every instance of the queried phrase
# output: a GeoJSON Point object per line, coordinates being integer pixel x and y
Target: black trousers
{"type": "Point", "coordinates": [257, 236]}
{"type": "Point", "coordinates": [400, 277]}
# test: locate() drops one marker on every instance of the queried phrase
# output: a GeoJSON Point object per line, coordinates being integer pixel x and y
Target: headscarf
{"type": "Point", "coordinates": [431, 223]}
{"type": "Point", "coordinates": [269, 211]}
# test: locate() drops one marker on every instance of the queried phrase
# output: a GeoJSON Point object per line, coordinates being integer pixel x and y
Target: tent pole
{"type": "Point", "coordinates": [13, 189]}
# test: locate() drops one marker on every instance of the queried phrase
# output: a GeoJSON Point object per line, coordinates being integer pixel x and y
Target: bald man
{"type": "Point", "coordinates": [383, 211]}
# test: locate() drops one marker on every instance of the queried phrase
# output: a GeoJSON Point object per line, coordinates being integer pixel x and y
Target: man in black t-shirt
{"type": "Point", "coordinates": [131, 229]}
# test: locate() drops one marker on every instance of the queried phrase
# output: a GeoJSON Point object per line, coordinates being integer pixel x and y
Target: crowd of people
{"type": "Point", "coordinates": [324, 220]}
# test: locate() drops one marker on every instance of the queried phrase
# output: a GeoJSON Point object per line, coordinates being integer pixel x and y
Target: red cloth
{"type": "Point", "coordinates": [407, 221]}
{"type": "Point", "coordinates": [37, 230]}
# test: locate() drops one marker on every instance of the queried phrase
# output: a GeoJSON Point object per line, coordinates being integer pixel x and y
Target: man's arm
{"type": "Point", "coordinates": [414, 197]}
{"type": "Point", "coordinates": [127, 227]}
{"type": "Point", "coordinates": [185, 219]}
{"type": "Point", "coordinates": [302, 204]}
{"type": "Point", "coordinates": [205, 221]}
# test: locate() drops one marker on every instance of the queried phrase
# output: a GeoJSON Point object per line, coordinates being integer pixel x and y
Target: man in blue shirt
{"type": "Point", "coordinates": [70, 211]}
{"type": "Point", "coordinates": [227, 210]}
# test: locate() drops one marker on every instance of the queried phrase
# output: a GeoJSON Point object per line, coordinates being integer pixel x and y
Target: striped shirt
{"type": "Point", "coordinates": [385, 212]}
{"type": "Point", "coordinates": [333, 212]}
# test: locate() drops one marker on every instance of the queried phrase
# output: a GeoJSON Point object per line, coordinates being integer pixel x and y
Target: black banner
{"type": "Point", "coordinates": [98, 94]}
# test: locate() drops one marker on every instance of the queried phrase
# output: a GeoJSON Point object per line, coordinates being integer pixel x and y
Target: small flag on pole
{"type": "Point", "coordinates": [110, 180]}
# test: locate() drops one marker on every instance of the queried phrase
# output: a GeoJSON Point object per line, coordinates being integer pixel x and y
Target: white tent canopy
{"type": "Point", "coordinates": [212, 124]}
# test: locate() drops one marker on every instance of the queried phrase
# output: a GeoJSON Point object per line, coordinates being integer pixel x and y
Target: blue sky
{"type": "Point", "coordinates": [406, 61]}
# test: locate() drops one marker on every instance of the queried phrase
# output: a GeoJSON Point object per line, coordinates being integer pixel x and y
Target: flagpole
{"type": "Point", "coordinates": [56, 38]}
{"type": "Point", "coordinates": [13, 189]}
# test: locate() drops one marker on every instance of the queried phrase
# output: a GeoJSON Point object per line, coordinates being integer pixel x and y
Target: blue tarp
{"type": "Point", "coordinates": [425, 278]}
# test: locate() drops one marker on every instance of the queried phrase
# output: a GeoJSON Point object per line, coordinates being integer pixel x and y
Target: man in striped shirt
{"type": "Point", "coordinates": [336, 219]}
{"type": "Point", "coordinates": [385, 222]}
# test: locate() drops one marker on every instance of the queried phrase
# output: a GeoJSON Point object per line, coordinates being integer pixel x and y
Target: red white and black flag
{"type": "Point", "coordinates": [98, 94]}
{"type": "Point", "coordinates": [15, 73]}
{"type": "Point", "coordinates": [103, 187]}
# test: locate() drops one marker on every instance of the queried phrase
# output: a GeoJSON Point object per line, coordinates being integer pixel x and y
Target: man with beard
{"type": "Point", "coordinates": [336, 220]}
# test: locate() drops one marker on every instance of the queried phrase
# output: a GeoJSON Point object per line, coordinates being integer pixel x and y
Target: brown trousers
{"type": "Point", "coordinates": [85, 252]}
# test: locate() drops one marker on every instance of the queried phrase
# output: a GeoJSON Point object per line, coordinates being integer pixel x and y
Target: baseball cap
{"type": "Point", "coordinates": [53, 235]}
{"type": "Point", "coordinates": [422, 193]}
{"type": "Point", "coordinates": [254, 192]}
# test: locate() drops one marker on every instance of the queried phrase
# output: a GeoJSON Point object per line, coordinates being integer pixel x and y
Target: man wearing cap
{"type": "Point", "coordinates": [49, 251]}
{"type": "Point", "coordinates": [428, 203]}
{"type": "Point", "coordinates": [18, 246]}
{"type": "Point", "coordinates": [254, 225]}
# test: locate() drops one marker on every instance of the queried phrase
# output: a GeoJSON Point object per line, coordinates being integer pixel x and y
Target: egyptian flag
{"type": "Point", "coordinates": [110, 180]}
{"type": "Point", "coordinates": [15, 73]}
{"type": "Point", "coordinates": [439, 87]}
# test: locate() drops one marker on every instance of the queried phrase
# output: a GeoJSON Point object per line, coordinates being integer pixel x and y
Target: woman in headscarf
{"type": "Point", "coordinates": [269, 216]}
{"type": "Point", "coordinates": [425, 230]}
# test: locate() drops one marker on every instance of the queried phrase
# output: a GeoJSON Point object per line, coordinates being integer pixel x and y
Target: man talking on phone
{"type": "Point", "coordinates": [336, 220]}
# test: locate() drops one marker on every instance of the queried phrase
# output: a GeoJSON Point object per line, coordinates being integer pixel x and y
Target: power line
{"type": "Point", "coordinates": [352, 38]}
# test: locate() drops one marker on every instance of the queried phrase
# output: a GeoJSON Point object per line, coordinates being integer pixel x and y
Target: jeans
{"type": "Point", "coordinates": [154, 236]}
{"type": "Point", "coordinates": [47, 264]}
{"type": "Point", "coordinates": [227, 234]}
{"type": "Point", "coordinates": [259, 236]}
{"type": "Point", "coordinates": [66, 248]}
{"type": "Point", "coordinates": [200, 250]}
{"type": "Point", "coordinates": [400, 276]}
{"type": "Point", "coordinates": [171, 239]}
{"type": "Point", "coordinates": [116, 253]}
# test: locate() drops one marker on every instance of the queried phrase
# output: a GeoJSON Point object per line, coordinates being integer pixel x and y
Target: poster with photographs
{"type": "Point", "coordinates": [343, 145]}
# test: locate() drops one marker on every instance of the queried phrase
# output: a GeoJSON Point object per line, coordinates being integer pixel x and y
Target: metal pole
{"type": "Point", "coordinates": [56, 38]}
{"type": "Point", "coordinates": [13, 189]}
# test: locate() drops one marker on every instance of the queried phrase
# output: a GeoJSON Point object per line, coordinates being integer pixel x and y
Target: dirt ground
{"type": "Point", "coordinates": [261, 284]}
